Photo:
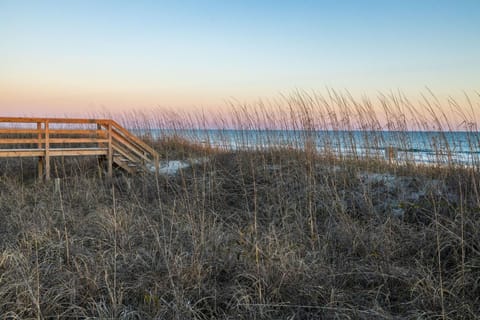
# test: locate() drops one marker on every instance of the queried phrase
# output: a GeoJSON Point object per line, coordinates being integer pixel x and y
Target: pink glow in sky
{"type": "Point", "coordinates": [72, 58]}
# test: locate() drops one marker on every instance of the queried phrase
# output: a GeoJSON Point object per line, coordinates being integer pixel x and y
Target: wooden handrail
{"type": "Point", "coordinates": [108, 137]}
{"type": "Point", "coordinates": [52, 140]}
{"type": "Point", "coordinates": [133, 138]}
{"type": "Point", "coordinates": [53, 120]}
{"type": "Point", "coordinates": [52, 131]}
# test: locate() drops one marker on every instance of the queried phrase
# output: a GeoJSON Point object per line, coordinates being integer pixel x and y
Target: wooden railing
{"type": "Point", "coordinates": [51, 137]}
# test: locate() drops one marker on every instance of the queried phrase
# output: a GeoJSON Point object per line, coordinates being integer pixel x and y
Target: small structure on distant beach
{"type": "Point", "coordinates": [391, 153]}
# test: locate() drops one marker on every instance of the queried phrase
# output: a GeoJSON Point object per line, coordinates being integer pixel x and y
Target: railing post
{"type": "Point", "coordinates": [99, 127]}
{"type": "Point", "coordinates": [110, 151]}
{"type": "Point", "coordinates": [100, 160]}
{"type": "Point", "coordinates": [40, 159]}
{"type": "Point", "coordinates": [157, 163]}
{"type": "Point", "coordinates": [47, 150]}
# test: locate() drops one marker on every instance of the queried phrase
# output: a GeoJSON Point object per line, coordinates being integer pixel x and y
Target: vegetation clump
{"type": "Point", "coordinates": [266, 233]}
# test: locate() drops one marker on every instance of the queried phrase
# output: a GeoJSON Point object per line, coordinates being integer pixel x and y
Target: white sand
{"type": "Point", "coordinates": [172, 167]}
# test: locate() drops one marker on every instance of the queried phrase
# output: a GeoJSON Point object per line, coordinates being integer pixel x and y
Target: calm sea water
{"type": "Point", "coordinates": [418, 146]}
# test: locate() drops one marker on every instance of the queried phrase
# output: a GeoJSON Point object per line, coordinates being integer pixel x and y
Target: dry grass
{"type": "Point", "coordinates": [270, 233]}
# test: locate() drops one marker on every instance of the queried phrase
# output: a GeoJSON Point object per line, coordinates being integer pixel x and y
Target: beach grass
{"type": "Point", "coordinates": [279, 231]}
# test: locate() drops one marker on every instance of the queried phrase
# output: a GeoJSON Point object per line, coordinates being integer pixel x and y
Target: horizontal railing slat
{"type": "Point", "coordinates": [20, 131]}
{"type": "Point", "coordinates": [54, 120]}
{"type": "Point", "coordinates": [53, 152]}
{"type": "Point", "coordinates": [52, 140]}
{"type": "Point", "coordinates": [79, 132]}
{"type": "Point", "coordinates": [20, 141]}
{"type": "Point", "coordinates": [77, 140]}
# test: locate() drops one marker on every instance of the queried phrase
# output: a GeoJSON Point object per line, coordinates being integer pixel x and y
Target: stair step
{"type": "Point", "coordinates": [130, 163]}
{"type": "Point", "coordinates": [121, 158]}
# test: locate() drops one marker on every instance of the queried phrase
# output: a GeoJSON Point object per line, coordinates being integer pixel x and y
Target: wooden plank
{"type": "Point", "coordinates": [110, 152]}
{"type": "Point", "coordinates": [53, 140]}
{"type": "Point", "coordinates": [124, 166]}
{"type": "Point", "coordinates": [130, 147]}
{"type": "Point", "coordinates": [133, 138]}
{"type": "Point", "coordinates": [124, 153]}
{"type": "Point", "coordinates": [78, 152]}
{"type": "Point", "coordinates": [156, 163]}
{"type": "Point", "coordinates": [65, 149]}
{"type": "Point", "coordinates": [76, 140]}
{"type": "Point", "coordinates": [54, 152]}
{"type": "Point", "coordinates": [39, 145]}
{"type": "Point", "coordinates": [102, 133]}
{"type": "Point", "coordinates": [81, 132]}
{"type": "Point", "coordinates": [85, 132]}
{"type": "Point", "coordinates": [47, 151]}
{"type": "Point", "coordinates": [19, 131]}
{"type": "Point", "coordinates": [13, 153]}
{"type": "Point", "coordinates": [53, 120]}
{"type": "Point", "coordinates": [20, 141]}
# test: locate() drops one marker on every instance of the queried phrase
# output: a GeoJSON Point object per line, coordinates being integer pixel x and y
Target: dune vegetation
{"type": "Point", "coordinates": [283, 230]}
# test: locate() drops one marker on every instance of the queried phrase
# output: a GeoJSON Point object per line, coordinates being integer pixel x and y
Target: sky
{"type": "Point", "coordinates": [76, 57]}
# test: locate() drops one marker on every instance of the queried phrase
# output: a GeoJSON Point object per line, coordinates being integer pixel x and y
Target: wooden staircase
{"type": "Point", "coordinates": [53, 137]}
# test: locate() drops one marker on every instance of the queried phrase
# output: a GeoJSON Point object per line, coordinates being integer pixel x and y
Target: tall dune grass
{"type": "Point", "coordinates": [285, 228]}
{"type": "Point", "coordinates": [333, 124]}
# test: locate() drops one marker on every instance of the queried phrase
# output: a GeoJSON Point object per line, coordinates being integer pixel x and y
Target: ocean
{"type": "Point", "coordinates": [454, 147]}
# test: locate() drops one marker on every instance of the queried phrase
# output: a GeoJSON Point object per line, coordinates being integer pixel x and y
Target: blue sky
{"type": "Point", "coordinates": [60, 56]}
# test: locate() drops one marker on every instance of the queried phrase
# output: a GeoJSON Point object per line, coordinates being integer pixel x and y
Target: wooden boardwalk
{"type": "Point", "coordinates": [58, 137]}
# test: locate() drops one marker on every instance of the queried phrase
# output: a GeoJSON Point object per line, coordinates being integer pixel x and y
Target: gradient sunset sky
{"type": "Point", "coordinates": [73, 57]}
